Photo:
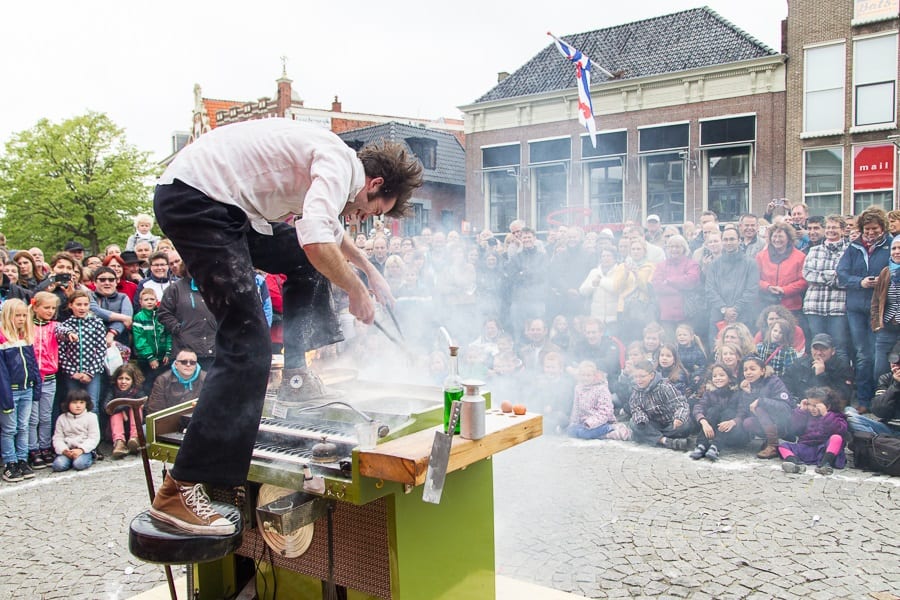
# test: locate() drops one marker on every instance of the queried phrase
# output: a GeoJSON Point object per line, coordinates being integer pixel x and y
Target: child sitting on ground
{"type": "Point", "coordinates": [142, 225]}
{"type": "Point", "coordinates": [768, 399]}
{"type": "Point", "coordinates": [77, 433]}
{"type": "Point", "coordinates": [551, 393]}
{"type": "Point", "coordinates": [652, 341]}
{"type": "Point", "coordinates": [659, 414]}
{"type": "Point", "coordinates": [716, 413]}
{"type": "Point", "coordinates": [127, 382]}
{"type": "Point", "coordinates": [670, 367]}
{"type": "Point", "coordinates": [820, 427]}
{"type": "Point", "coordinates": [593, 415]}
{"type": "Point", "coordinates": [690, 349]}
{"type": "Point", "coordinates": [692, 355]}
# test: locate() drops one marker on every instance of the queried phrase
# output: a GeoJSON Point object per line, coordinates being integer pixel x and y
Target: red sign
{"type": "Point", "coordinates": [873, 167]}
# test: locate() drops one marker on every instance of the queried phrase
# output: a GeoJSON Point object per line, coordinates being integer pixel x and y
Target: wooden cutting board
{"type": "Point", "coordinates": [405, 460]}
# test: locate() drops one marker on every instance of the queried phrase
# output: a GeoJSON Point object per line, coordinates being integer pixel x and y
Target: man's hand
{"type": "Point", "coordinates": [818, 366]}
{"type": "Point", "coordinates": [361, 305]}
{"type": "Point", "coordinates": [380, 288]}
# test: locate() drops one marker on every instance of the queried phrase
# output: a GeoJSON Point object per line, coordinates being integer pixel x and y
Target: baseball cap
{"type": "Point", "coordinates": [822, 339]}
{"type": "Point", "coordinates": [653, 218]}
{"type": "Point", "coordinates": [130, 258]}
{"type": "Point", "coordinates": [73, 246]}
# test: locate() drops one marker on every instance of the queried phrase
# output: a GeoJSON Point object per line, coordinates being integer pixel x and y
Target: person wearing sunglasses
{"type": "Point", "coordinates": [114, 308]}
{"type": "Point", "coordinates": [182, 382]}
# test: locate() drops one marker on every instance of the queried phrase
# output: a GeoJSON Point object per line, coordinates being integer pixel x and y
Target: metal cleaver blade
{"type": "Point", "coordinates": [439, 459]}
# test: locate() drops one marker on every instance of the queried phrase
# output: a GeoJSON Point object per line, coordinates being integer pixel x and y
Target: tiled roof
{"type": "Point", "coordinates": [685, 40]}
{"type": "Point", "coordinates": [450, 164]}
{"type": "Point", "coordinates": [213, 106]}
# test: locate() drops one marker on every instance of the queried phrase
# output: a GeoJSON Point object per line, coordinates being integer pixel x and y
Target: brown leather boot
{"type": "Point", "coordinates": [771, 449]}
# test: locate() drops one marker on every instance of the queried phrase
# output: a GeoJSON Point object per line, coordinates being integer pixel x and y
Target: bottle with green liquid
{"type": "Point", "coordinates": [453, 387]}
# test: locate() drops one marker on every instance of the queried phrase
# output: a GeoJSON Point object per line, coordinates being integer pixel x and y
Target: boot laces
{"type": "Point", "coordinates": [198, 501]}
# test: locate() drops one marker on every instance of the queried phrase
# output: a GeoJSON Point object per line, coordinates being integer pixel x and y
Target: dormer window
{"type": "Point", "coordinates": [425, 150]}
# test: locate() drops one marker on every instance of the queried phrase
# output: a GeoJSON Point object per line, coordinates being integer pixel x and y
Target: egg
{"type": "Point", "coordinates": [519, 409]}
{"type": "Point", "coordinates": [506, 406]}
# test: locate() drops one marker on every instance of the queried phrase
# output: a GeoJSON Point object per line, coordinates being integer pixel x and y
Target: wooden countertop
{"type": "Point", "coordinates": [405, 460]}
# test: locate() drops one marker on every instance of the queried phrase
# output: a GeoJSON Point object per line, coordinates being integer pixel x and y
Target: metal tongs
{"type": "Point", "coordinates": [397, 342]}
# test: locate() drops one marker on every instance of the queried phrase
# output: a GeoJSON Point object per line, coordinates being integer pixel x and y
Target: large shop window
{"type": "Point", "coordinates": [823, 89]}
{"type": "Point", "coordinates": [549, 163]}
{"type": "Point", "coordinates": [605, 176]}
{"type": "Point", "coordinates": [875, 80]}
{"type": "Point", "coordinates": [501, 179]}
{"type": "Point", "coordinates": [822, 174]}
{"type": "Point", "coordinates": [665, 186]}
{"type": "Point", "coordinates": [728, 183]}
{"type": "Point", "coordinates": [605, 192]}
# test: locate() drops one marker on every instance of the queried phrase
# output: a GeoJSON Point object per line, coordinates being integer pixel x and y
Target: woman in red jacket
{"type": "Point", "coordinates": [781, 271]}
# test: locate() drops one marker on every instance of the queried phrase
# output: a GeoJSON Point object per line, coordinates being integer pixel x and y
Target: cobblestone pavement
{"type": "Point", "coordinates": [599, 519]}
{"type": "Point", "coordinates": [612, 519]}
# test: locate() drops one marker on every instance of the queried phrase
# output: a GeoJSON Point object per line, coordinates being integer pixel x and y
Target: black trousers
{"type": "Point", "coordinates": [220, 250]}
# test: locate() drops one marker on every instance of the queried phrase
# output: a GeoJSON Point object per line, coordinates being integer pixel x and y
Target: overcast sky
{"type": "Point", "coordinates": [138, 61]}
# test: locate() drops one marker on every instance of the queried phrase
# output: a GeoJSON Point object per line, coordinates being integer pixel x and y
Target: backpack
{"type": "Point", "coordinates": [875, 452]}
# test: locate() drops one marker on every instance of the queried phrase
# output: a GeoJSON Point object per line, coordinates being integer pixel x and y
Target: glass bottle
{"type": "Point", "coordinates": [453, 388]}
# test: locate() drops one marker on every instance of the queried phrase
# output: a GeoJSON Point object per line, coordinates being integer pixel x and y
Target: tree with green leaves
{"type": "Point", "coordinates": [74, 180]}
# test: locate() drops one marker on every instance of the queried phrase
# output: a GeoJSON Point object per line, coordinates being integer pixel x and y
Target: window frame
{"type": "Point", "coordinates": [860, 85]}
{"type": "Point", "coordinates": [807, 50]}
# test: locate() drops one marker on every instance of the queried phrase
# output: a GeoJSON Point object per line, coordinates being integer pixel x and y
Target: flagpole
{"type": "Point", "coordinates": [593, 64]}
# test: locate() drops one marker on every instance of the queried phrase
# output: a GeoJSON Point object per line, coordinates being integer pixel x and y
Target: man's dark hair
{"type": "Point", "coordinates": [401, 171]}
{"type": "Point", "coordinates": [158, 256]}
{"type": "Point", "coordinates": [747, 215]}
{"type": "Point", "coordinates": [815, 219]}
{"type": "Point", "coordinates": [101, 270]}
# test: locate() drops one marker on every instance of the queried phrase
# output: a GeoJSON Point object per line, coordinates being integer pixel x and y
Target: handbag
{"type": "Point", "coordinates": [113, 358]}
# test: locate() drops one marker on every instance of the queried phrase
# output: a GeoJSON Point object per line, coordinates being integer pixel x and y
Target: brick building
{"type": "Point", "coordinates": [692, 120]}
{"type": "Point", "coordinates": [842, 104]}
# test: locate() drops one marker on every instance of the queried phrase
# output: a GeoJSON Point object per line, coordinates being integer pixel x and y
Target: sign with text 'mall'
{"type": "Point", "coordinates": [873, 167]}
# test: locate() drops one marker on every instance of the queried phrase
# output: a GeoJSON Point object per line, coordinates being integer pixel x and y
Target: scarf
{"type": "Point", "coordinates": [187, 383]}
{"type": "Point", "coordinates": [895, 271]}
{"type": "Point", "coordinates": [779, 257]}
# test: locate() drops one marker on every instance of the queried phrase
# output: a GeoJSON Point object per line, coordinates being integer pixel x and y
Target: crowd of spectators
{"type": "Point", "coordinates": [714, 333]}
{"type": "Point", "coordinates": [687, 327]}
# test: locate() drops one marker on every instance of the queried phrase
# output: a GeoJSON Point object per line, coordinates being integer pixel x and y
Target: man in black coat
{"type": "Point", "coordinates": [823, 369]}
